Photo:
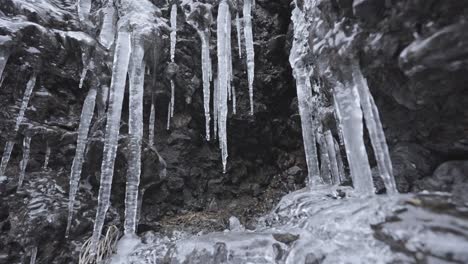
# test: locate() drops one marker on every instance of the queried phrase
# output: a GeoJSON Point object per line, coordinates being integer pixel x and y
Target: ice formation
{"type": "Point", "coordinates": [19, 119]}
{"type": "Point", "coordinates": [119, 76]}
{"type": "Point", "coordinates": [135, 133]}
{"type": "Point", "coordinates": [173, 37]}
{"type": "Point", "coordinates": [45, 166]}
{"type": "Point", "coordinates": [207, 76]}
{"type": "Point", "coordinates": [223, 41]}
{"type": "Point", "coordinates": [302, 73]}
{"type": "Point", "coordinates": [332, 155]}
{"type": "Point", "coordinates": [239, 34]}
{"type": "Point", "coordinates": [376, 133]}
{"type": "Point", "coordinates": [25, 160]}
{"type": "Point", "coordinates": [107, 35]}
{"type": "Point", "coordinates": [249, 48]}
{"type": "Point", "coordinates": [83, 130]}
{"type": "Point", "coordinates": [84, 9]}
{"type": "Point", "coordinates": [151, 124]}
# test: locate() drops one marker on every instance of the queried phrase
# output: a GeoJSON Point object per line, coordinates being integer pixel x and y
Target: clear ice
{"type": "Point", "coordinates": [249, 47]}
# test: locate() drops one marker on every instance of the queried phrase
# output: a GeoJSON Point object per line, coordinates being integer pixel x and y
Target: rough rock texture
{"type": "Point", "coordinates": [413, 53]}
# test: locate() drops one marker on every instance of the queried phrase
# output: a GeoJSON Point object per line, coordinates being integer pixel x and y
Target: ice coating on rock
{"type": "Point", "coordinates": [332, 155]}
{"type": "Point", "coordinates": [135, 134]}
{"type": "Point", "coordinates": [19, 119]}
{"type": "Point", "coordinates": [376, 133]}
{"type": "Point", "coordinates": [351, 119]}
{"type": "Point", "coordinates": [239, 34]}
{"type": "Point", "coordinates": [249, 48]}
{"type": "Point", "coordinates": [119, 76]}
{"type": "Point", "coordinates": [87, 113]}
{"type": "Point", "coordinates": [151, 125]}
{"type": "Point", "coordinates": [107, 34]}
{"type": "Point", "coordinates": [302, 74]}
{"type": "Point", "coordinates": [25, 160]}
{"type": "Point", "coordinates": [223, 42]}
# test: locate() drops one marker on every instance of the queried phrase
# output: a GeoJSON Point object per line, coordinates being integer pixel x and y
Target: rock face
{"type": "Point", "coordinates": [413, 53]}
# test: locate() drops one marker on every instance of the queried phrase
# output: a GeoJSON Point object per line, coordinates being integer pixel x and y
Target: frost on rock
{"type": "Point", "coordinates": [223, 43]}
{"type": "Point", "coordinates": [306, 100]}
{"type": "Point", "coordinates": [19, 119]}
{"type": "Point", "coordinates": [119, 76]}
{"type": "Point", "coordinates": [249, 47]}
{"type": "Point", "coordinates": [83, 130]}
{"type": "Point", "coordinates": [135, 133]}
{"type": "Point", "coordinates": [25, 160]}
{"type": "Point", "coordinates": [376, 133]}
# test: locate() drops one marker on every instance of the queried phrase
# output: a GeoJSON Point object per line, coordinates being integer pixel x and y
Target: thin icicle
{"type": "Point", "coordinates": [330, 147]}
{"type": "Point", "coordinates": [119, 76]}
{"type": "Point", "coordinates": [151, 125]}
{"type": "Point", "coordinates": [349, 111]}
{"type": "Point", "coordinates": [46, 157]}
{"type": "Point", "coordinates": [223, 77]}
{"type": "Point", "coordinates": [87, 113]}
{"type": "Point", "coordinates": [84, 9]}
{"type": "Point", "coordinates": [135, 133]}
{"type": "Point", "coordinates": [107, 35]}
{"type": "Point", "coordinates": [4, 54]}
{"type": "Point", "coordinates": [83, 76]}
{"type": "Point", "coordinates": [239, 34]}
{"type": "Point", "coordinates": [215, 107]}
{"type": "Point", "coordinates": [376, 133]}
{"type": "Point", "coordinates": [207, 75]}
{"type": "Point", "coordinates": [24, 162]}
{"type": "Point", "coordinates": [171, 110]}
{"type": "Point", "coordinates": [33, 255]}
{"type": "Point", "coordinates": [173, 35]}
{"type": "Point", "coordinates": [19, 119]}
{"type": "Point", "coordinates": [249, 47]}
{"type": "Point", "coordinates": [325, 167]}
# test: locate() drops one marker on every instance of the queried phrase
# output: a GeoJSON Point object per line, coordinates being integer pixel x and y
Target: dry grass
{"type": "Point", "coordinates": [106, 247]}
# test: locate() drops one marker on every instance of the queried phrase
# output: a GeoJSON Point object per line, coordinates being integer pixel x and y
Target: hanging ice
{"type": "Point", "coordinates": [376, 133]}
{"type": "Point", "coordinates": [84, 9]}
{"type": "Point", "coordinates": [325, 167]}
{"type": "Point", "coordinates": [231, 89]}
{"type": "Point", "coordinates": [19, 119]}
{"type": "Point", "coordinates": [168, 126]}
{"type": "Point", "coordinates": [46, 157]}
{"type": "Point", "coordinates": [239, 34]}
{"type": "Point", "coordinates": [81, 142]}
{"type": "Point", "coordinates": [135, 133]}
{"type": "Point", "coordinates": [83, 76]}
{"type": "Point", "coordinates": [332, 155]}
{"type": "Point", "coordinates": [151, 125]}
{"type": "Point", "coordinates": [215, 107]}
{"type": "Point", "coordinates": [349, 111]}
{"type": "Point", "coordinates": [223, 77]}
{"type": "Point", "coordinates": [206, 75]}
{"type": "Point", "coordinates": [302, 74]}
{"type": "Point", "coordinates": [107, 35]}
{"type": "Point", "coordinates": [249, 47]}
{"type": "Point", "coordinates": [119, 76]}
{"type": "Point", "coordinates": [25, 160]}
{"type": "Point", "coordinates": [173, 37]}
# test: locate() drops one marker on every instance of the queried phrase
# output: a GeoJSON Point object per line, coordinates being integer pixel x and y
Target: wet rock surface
{"type": "Point", "coordinates": [413, 54]}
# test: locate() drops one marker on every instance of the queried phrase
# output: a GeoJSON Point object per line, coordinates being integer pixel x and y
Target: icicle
{"type": "Point", "coordinates": [135, 133]}
{"type": "Point", "coordinates": [306, 100]}
{"type": "Point", "coordinates": [107, 35]}
{"type": "Point", "coordinates": [223, 77]}
{"type": "Point", "coordinates": [33, 255]}
{"type": "Point", "coordinates": [325, 168]}
{"type": "Point", "coordinates": [25, 160]}
{"type": "Point", "coordinates": [173, 35]}
{"type": "Point", "coordinates": [84, 9]}
{"type": "Point", "coordinates": [168, 126]}
{"type": "Point", "coordinates": [349, 111]}
{"type": "Point", "coordinates": [19, 119]}
{"type": "Point", "coordinates": [376, 133]}
{"type": "Point", "coordinates": [83, 76]}
{"type": "Point", "coordinates": [81, 142]}
{"type": "Point", "coordinates": [119, 76]}
{"type": "Point", "coordinates": [215, 108]}
{"type": "Point", "coordinates": [172, 103]}
{"type": "Point", "coordinates": [330, 147]}
{"type": "Point", "coordinates": [249, 47]}
{"type": "Point", "coordinates": [339, 161]}
{"type": "Point", "coordinates": [207, 75]}
{"type": "Point", "coordinates": [46, 158]}
{"type": "Point", "coordinates": [239, 33]}
{"type": "Point", "coordinates": [4, 54]}
{"type": "Point", "coordinates": [151, 125]}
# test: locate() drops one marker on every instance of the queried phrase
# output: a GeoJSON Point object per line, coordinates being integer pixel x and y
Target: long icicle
{"type": "Point", "coordinates": [249, 47]}
{"type": "Point", "coordinates": [25, 160]}
{"type": "Point", "coordinates": [376, 133]}
{"type": "Point", "coordinates": [87, 113]}
{"type": "Point", "coordinates": [135, 132]}
{"type": "Point", "coordinates": [239, 34]}
{"type": "Point", "coordinates": [119, 76]}
{"type": "Point", "coordinates": [24, 105]}
{"type": "Point", "coordinates": [206, 75]}
{"type": "Point", "coordinates": [223, 77]}
{"type": "Point", "coordinates": [173, 37]}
